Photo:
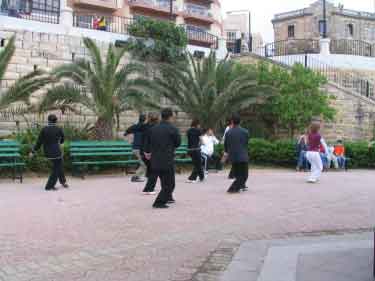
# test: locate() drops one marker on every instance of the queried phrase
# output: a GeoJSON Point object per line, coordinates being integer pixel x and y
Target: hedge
{"type": "Point", "coordinates": [262, 152]}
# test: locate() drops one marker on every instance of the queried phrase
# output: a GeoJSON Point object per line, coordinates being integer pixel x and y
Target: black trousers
{"type": "Point", "coordinates": [231, 173]}
{"type": "Point", "coordinates": [196, 157]}
{"type": "Point", "coordinates": [57, 173]}
{"type": "Point", "coordinates": [168, 183]}
{"type": "Point", "coordinates": [241, 174]}
{"type": "Point", "coordinates": [152, 178]}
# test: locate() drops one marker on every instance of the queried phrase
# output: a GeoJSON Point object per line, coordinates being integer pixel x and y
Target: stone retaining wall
{"type": "Point", "coordinates": [355, 118]}
{"type": "Point", "coordinates": [46, 51]}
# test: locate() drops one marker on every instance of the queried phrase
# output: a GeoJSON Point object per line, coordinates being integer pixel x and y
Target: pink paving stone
{"type": "Point", "coordinates": [102, 213]}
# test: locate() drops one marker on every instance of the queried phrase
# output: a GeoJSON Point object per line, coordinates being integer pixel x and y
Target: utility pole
{"type": "Point", "coordinates": [171, 9]}
{"type": "Point", "coordinates": [250, 36]}
{"type": "Point", "coordinates": [324, 19]}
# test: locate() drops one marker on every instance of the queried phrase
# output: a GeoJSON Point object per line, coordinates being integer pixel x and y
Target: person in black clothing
{"type": "Point", "coordinates": [194, 149]}
{"type": "Point", "coordinates": [236, 148]}
{"type": "Point", "coordinates": [137, 131]}
{"type": "Point", "coordinates": [149, 189]}
{"type": "Point", "coordinates": [160, 147]}
{"type": "Point", "coordinates": [51, 137]}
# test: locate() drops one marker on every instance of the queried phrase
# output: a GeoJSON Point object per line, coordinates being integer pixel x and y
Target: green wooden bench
{"type": "Point", "coordinates": [99, 153]}
{"type": "Point", "coordinates": [182, 156]}
{"type": "Point", "coordinates": [10, 157]}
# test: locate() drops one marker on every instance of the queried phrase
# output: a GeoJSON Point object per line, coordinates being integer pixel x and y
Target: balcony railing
{"type": "Point", "coordinates": [121, 25]}
{"type": "Point", "coordinates": [197, 10]}
{"type": "Point", "coordinates": [201, 37]}
{"type": "Point", "coordinates": [113, 24]}
{"type": "Point", "coordinates": [107, 4]}
{"type": "Point", "coordinates": [36, 10]}
{"type": "Point", "coordinates": [157, 4]}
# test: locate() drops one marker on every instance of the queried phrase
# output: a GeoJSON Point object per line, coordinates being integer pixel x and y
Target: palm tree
{"type": "Point", "coordinates": [104, 87]}
{"type": "Point", "coordinates": [23, 88]}
{"type": "Point", "coordinates": [208, 90]}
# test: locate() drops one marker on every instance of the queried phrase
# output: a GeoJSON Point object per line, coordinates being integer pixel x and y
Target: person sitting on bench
{"type": "Point", "coordinates": [208, 148]}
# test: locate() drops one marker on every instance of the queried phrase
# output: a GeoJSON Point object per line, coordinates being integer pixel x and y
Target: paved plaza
{"type": "Point", "coordinates": [103, 229]}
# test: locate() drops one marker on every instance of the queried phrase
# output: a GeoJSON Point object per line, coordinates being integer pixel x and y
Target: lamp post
{"type": "Point", "coordinates": [324, 19]}
{"type": "Point", "coordinates": [250, 36]}
{"type": "Point", "coordinates": [171, 9]}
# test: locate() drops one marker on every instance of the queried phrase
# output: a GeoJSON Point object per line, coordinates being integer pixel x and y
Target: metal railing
{"type": "Point", "coordinates": [159, 4]}
{"type": "Point", "coordinates": [197, 10]}
{"type": "Point", "coordinates": [346, 78]}
{"type": "Point", "coordinates": [201, 38]}
{"type": "Point", "coordinates": [35, 10]}
{"type": "Point", "coordinates": [352, 13]}
{"type": "Point", "coordinates": [113, 24]}
{"type": "Point", "coordinates": [352, 47]}
{"type": "Point", "coordinates": [291, 47]}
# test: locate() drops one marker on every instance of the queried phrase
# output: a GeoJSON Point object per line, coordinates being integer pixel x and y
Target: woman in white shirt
{"type": "Point", "coordinates": [209, 141]}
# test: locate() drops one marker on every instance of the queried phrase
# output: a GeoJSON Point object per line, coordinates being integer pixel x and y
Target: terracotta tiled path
{"type": "Point", "coordinates": [103, 229]}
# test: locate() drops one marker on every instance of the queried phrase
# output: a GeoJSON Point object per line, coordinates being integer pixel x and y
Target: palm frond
{"type": "Point", "coordinates": [6, 56]}
{"type": "Point", "coordinates": [63, 97]}
{"type": "Point", "coordinates": [24, 87]}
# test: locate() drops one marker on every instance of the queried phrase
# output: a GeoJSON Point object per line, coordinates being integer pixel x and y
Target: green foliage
{"type": "Point", "coordinates": [38, 163]}
{"type": "Point", "coordinates": [22, 89]}
{"type": "Point", "coordinates": [105, 87]}
{"type": "Point", "coordinates": [208, 90]}
{"type": "Point", "coordinates": [167, 43]}
{"type": "Point", "coordinates": [300, 97]}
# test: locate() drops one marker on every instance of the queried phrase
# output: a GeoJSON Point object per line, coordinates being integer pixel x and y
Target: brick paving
{"type": "Point", "coordinates": [104, 229]}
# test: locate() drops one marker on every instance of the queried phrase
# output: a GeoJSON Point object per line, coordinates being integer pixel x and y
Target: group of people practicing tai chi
{"type": "Point", "coordinates": [155, 143]}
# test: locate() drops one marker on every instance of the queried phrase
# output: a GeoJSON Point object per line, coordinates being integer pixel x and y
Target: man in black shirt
{"type": "Point", "coordinates": [51, 137]}
{"type": "Point", "coordinates": [160, 147]}
{"type": "Point", "coordinates": [194, 148]}
{"type": "Point", "coordinates": [152, 120]}
{"type": "Point", "coordinates": [236, 148]}
{"type": "Point", "coordinates": [137, 131]}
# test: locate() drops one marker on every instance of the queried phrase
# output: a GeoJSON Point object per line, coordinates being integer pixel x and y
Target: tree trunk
{"type": "Point", "coordinates": [103, 129]}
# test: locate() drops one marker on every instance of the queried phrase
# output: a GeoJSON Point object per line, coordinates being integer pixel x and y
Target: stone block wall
{"type": "Point", "coordinates": [46, 51]}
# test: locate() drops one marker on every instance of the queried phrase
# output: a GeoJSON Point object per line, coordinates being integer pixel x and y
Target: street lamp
{"type": "Point", "coordinates": [171, 9]}
{"type": "Point", "coordinates": [324, 19]}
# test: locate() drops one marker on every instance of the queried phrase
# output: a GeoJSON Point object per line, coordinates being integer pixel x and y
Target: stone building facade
{"type": "Point", "coordinates": [341, 23]}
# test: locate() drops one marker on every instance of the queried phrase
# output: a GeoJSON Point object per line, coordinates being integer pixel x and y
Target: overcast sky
{"type": "Point", "coordinates": [262, 11]}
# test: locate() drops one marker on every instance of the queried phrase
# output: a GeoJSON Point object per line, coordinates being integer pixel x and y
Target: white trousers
{"type": "Point", "coordinates": [316, 164]}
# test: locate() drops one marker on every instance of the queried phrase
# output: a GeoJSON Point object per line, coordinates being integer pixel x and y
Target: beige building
{"type": "Point", "coordinates": [197, 15]}
{"type": "Point", "coordinates": [237, 26]}
{"type": "Point", "coordinates": [307, 23]}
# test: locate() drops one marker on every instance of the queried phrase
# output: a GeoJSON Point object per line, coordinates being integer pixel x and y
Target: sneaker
{"type": "Point", "coordinates": [192, 181]}
{"type": "Point", "coordinates": [51, 189]}
{"type": "Point", "coordinates": [149, 193]}
{"type": "Point", "coordinates": [312, 180]}
{"type": "Point", "coordinates": [172, 201]}
{"type": "Point", "coordinates": [65, 185]}
{"type": "Point", "coordinates": [234, 191]}
{"type": "Point", "coordinates": [137, 179]}
{"type": "Point", "coordinates": [245, 189]}
{"type": "Point", "coordinates": [162, 206]}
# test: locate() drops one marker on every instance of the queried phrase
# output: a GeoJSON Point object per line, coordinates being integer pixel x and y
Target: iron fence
{"type": "Point", "coordinates": [47, 11]}
{"type": "Point", "coordinates": [292, 47]}
{"type": "Point", "coordinates": [352, 47]}
{"type": "Point", "coordinates": [201, 37]}
{"type": "Point", "coordinates": [113, 24]}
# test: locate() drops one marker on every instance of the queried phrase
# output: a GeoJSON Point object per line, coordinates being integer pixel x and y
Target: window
{"type": "Point", "coordinates": [231, 35]}
{"type": "Point", "coordinates": [290, 31]}
{"type": "Point", "coordinates": [321, 27]}
{"type": "Point", "coordinates": [350, 29]}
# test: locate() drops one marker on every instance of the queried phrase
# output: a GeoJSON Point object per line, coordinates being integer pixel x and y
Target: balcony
{"type": "Point", "coordinates": [35, 10]}
{"type": "Point", "coordinates": [202, 38]}
{"type": "Point", "coordinates": [161, 6]}
{"type": "Point", "coordinates": [106, 4]}
{"type": "Point", "coordinates": [199, 13]}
